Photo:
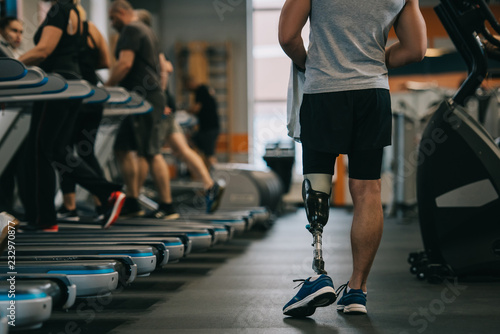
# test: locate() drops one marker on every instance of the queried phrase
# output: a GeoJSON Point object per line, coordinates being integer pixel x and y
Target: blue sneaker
{"type": "Point", "coordinates": [316, 291]}
{"type": "Point", "coordinates": [352, 302]}
{"type": "Point", "coordinates": [213, 196]}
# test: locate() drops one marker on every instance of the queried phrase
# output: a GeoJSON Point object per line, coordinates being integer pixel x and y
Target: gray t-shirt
{"type": "Point", "coordinates": [145, 72]}
{"type": "Point", "coordinates": [347, 44]}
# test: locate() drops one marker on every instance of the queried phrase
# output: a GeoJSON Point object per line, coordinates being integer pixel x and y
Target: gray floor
{"type": "Point", "coordinates": [242, 286]}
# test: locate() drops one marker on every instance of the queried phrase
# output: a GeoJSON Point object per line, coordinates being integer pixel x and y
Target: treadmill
{"type": "Point", "coordinates": [86, 268]}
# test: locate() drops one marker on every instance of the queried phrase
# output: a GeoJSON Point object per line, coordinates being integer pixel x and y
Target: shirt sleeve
{"type": "Point", "coordinates": [130, 39]}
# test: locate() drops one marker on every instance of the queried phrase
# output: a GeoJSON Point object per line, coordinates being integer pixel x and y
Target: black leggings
{"type": "Point", "coordinates": [363, 165]}
{"type": "Point", "coordinates": [84, 136]}
{"type": "Point", "coordinates": [48, 147]}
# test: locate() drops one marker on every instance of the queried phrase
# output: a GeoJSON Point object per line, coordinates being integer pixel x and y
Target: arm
{"type": "Point", "coordinates": [412, 35]}
{"type": "Point", "coordinates": [121, 68]}
{"type": "Point", "coordinates": [165, 70]}
{"type": "Point", "coordinates": [195, 108]}
{"type": "Point", "coordinates": [51, 36]}
{"type": "Point", "coordinates": [102, 46]}
{"type": "Point", "coordinates": [294, 15]}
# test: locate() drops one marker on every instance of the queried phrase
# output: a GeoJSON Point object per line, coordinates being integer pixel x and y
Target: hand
{"type": "Point", "coordinates": [167, 111]}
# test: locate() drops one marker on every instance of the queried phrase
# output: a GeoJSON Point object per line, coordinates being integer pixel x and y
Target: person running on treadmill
{"type": "Point", "coordinates": [48, 143]}
{"type": "Point", "coordinates": [205, 110]}
{"type": "Point", "coordinates": [176, 138]}
{"type": "Point", "coordinates": [93, 55]}
{"type": "Point", "coordinates": [140, 137]}
{"type": "Point", "coordinates": [11, 32]}
{"type": "Point", "coordinates": [346, 110]}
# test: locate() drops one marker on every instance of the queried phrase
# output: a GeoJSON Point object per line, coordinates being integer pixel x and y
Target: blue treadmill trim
{"type": "Point", "coordinates": [16, 77]}
{"type": "Point", "coordinates": [81, 272]}
{"type": "Point", "coordinates": [198, 234]}
{"type": "Point", "coordinates": [92, 92]}
{"type": "Point", "coordinates": [22, 296]}
{"type": "Point", "coordinates": [173, 243]}
{"type": "Point", "coordinates": [41, 83]}
{"type": "Point", "coordinates": [131, 255]}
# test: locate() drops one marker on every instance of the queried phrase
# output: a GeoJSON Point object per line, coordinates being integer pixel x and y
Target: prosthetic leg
{"type": "Point", "coordinates": [317, 209]}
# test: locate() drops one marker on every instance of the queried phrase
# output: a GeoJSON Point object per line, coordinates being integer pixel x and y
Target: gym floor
{"type": "Point", "coordinates": [241, 287]}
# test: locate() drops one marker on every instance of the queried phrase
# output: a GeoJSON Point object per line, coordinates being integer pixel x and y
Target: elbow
{"type": "Point", "coordinates": [417, 53]}
{"type": "Point", "coordinates": [417, 56]}
{"type": "Point", "coordinates": [421, 51]}
{"type": "Point", "coordinates": [43, 54]}
{"type": "Point", "coordinates": [420, 54]}
{"type": "Point", "coordinates": [285, 40]}
{"type": "Point", "coordinates": [420, 48]}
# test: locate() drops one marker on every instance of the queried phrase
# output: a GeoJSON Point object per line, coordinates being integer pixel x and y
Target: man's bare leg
{"type": "Point", "coordinates": [143, 171]}
{"type": "Point", "coordinates": [366, 231]}
{"type": "Point", "coordinates": [194, 162]}
{"type": "Point", "coordinates": [69, 201]}
{"type": "Point", "coordinates": [161, 177]}
{"type": "Point", "coordinates": [130, 172]}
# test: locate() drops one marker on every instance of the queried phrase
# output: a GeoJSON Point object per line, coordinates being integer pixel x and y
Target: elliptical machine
{"type": "Point", "coordinates": [458, 174]}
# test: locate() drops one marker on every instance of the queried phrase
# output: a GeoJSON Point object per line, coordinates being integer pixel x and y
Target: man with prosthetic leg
{"type": "Point", "coordinates": [346, 109]}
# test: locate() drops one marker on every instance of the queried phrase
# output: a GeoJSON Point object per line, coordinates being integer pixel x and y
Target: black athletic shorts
{"type": "Point", "coordinates": [344, 122]}
{"type": "Point", "coordinates": [206, 141]}
{"type": "Point", "coordinates": [144, 133]}
{"type": "Point", "coordinates": [363, 165]}
{"type": "Point", "coordinates": [357, 123]}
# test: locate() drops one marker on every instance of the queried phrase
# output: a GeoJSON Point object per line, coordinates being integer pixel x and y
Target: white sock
{"type": "Point", "coordinates": [349, 289]}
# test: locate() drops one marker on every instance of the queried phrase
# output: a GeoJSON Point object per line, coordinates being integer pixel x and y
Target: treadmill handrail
{"type": "Point", "coordinates": [76, 89]}
{"type": "Point", "coordinates": [11, 69]}
{"type": "Point", "coordinates": [34, 77]}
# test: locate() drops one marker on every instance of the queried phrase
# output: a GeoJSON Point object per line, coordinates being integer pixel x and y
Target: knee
{"type": "Point", "coordinates": [365, 189]}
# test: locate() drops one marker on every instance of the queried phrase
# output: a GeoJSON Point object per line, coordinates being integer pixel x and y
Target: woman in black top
{"type": "Point", "coordinates": [47, 145]}
{"type": "Point", "coordinates": [93, 55]}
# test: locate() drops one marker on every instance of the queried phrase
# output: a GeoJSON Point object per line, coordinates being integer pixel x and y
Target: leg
{"type": "Point", "coordinates": [198, 168]}
{"type": "Point", "coordinates": [194, 162]}
{"type": "Point", "coordinates": [368, 220]}
{"type": "Point", "coordinates": [206, 141]}
{"type": "Point", "coordinates": [69, 201]}
{"type": "Point", "coordinates": [366, 229]}
{"type": "Point", "coordinates": [37, 180]}
{"type": "Point", "coordinates": [161, 177]}
{"type": "Point", "coordinates": [143, 171]}
{"type": "Point", "coordinates": [129, 167]}
{"type": "Point", "coordinates": [316, 291]}
{"type": "Point", "coordinates": [318, 170]}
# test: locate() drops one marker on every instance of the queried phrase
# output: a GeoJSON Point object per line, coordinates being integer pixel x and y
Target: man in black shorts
{"type": "Point", "coordinates": [346, 110]}
{"type": "Point", "coordinates": [140, 137]}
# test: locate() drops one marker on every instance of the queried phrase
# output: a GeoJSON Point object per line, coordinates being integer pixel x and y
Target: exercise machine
{"type": "Point", "coordinates": [458, 176]}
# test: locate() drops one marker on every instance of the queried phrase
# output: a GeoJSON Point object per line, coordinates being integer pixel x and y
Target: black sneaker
{"type": "Point", "coordinates": [213, 196]}
{"type": "Point", "coordinates": [165, 211]}
{"type": "Point", "coordinates": [67, 215]}
{"type": "Point", "coordinates": [131, 208]}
